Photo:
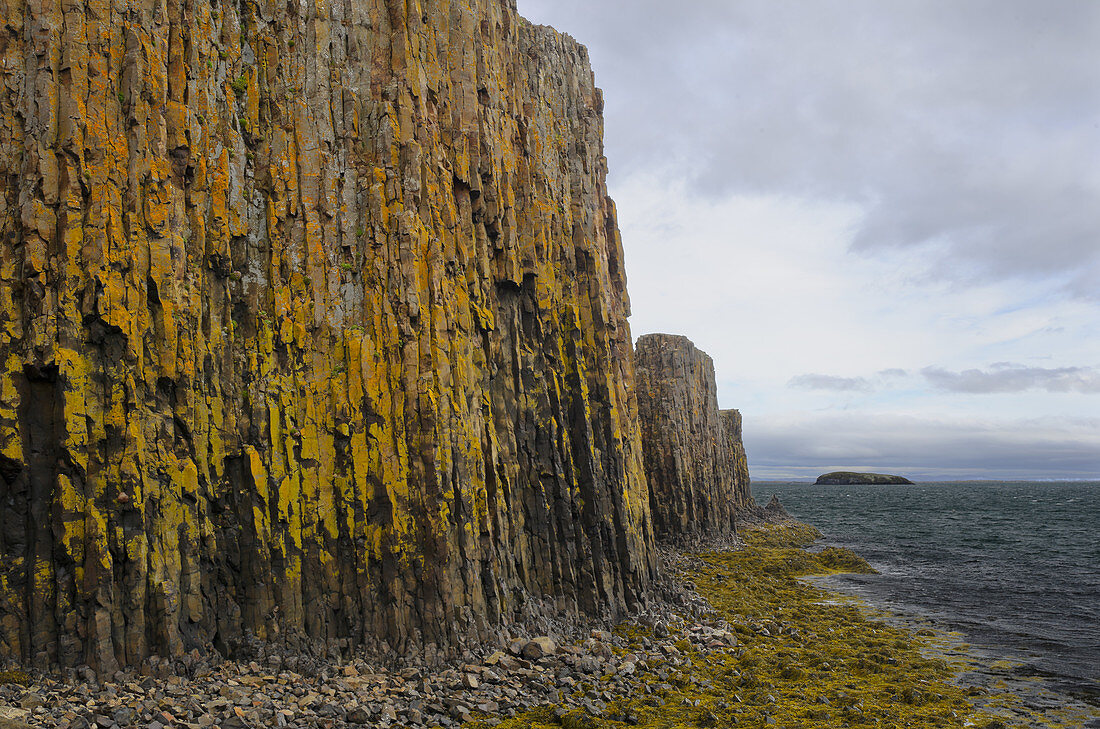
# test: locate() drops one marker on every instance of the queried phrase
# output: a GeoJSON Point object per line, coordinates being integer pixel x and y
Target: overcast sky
{"type": "Point", "coordinates": [882, 220]}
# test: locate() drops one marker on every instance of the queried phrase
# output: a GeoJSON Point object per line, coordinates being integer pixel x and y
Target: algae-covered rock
{"type": "Point", "coordinates": [842, 559]}
{"type": "Point", "coordinates": [15, 676]}
{"type": "Point", "coordinates": [802, 656]}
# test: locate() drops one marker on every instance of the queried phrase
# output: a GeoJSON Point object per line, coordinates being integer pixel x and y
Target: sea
{"type": "Point", "coordinates": [1012, 567]}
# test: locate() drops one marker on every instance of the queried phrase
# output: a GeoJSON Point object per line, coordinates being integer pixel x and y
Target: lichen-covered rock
{"type": "Point", "coordinates": [312, 326]}
{"type": "Point", "coordinates": [735, 445]}
{"type": "Point", "coordinates": [694, 459]}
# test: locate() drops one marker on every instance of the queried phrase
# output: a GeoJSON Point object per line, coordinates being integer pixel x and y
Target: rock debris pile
{"type": "Point", "coordinates": [584, 672]}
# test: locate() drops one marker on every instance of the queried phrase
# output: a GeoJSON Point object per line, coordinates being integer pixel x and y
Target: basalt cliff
{"type": "Point", "coordinates": [313, 332]}
{"type": "Point", "coordinates": [694, 457]}
{"type": "Point", "coordinates": [312, 328]}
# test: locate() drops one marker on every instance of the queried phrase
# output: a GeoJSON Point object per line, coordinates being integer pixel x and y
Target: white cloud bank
{"type": "Point", "coordinates": [1007, 377]}
{"type": "Point", "coordinates": [966, 128]}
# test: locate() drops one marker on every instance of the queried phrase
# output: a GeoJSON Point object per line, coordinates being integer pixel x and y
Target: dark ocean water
{"type": "Point", "coordinates": [1015, 567]}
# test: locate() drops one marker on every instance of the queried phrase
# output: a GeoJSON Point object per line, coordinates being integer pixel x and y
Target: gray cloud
{"type": "Point", "coordinates": [1007, 377]}
{"type": "Point", "coordinates": [829, 382]}
{"type": "Point", "coordinates": [1048, 448]}
{"type": "Point", "coordinates": [964, 131]}
{"type": "Point", "coordinates": [980, 144]}
{"type": "Point", "coordinates": [893, 372]}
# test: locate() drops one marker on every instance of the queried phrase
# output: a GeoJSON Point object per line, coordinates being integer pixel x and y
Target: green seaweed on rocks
{"type": "Point", "coordinates": [16, 676]}
{"type": "Point", "coordinates": [805, 657]}
{"type": "Point", "coordinates": [792, 535]}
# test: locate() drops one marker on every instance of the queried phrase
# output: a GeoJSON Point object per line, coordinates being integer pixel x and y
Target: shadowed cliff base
{"type": "Point", "coordinates": [742, 639]}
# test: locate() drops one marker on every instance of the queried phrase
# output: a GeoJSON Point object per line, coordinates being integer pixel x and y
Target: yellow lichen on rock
{"type": "Point", "coordinates": [313, 326]}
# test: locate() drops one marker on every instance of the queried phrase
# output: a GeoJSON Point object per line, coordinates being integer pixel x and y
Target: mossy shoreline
{"type": "Point", "coordinates": [806, 657]}
{"type": "Point", "coordinates": [740, 636]}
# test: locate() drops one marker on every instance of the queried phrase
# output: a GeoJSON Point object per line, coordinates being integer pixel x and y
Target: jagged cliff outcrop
{"type": "Point", "coordinates": [312, 325]}
{"type": "Point", "coordinates": [732, 431]}
{"type": "Point", "coordinates": [695, 461]}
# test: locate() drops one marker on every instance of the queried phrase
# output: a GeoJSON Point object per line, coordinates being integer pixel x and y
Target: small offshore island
{"type": "Point", "coordinates": [851, 478]}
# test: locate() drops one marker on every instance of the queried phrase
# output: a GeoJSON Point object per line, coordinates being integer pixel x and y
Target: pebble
{"type": "Point", "coordinates": [557, 668]}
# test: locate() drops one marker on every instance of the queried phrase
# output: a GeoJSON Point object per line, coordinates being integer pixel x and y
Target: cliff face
{"type": "Point", "coordinates": [312, 324]}
{"type": "Point", "coordinates": [735, 447]}
{"type": "Point", "coordinates": [694, 459]}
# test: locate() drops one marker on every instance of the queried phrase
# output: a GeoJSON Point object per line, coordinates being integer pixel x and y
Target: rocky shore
{"type": "Point", "coordinates": [736, 638]}
{"type": "Point", "coordinates": [574, 669]}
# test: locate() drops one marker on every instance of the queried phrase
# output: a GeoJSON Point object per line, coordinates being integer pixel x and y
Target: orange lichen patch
{"type": "Point", "coordinates": [290, 345]}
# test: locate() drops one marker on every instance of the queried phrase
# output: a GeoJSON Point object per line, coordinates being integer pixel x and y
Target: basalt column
{"type": "Point", "coordinates": [735, 446]}
{"type": "Point", "coordinates": [695, 462]}
{"type": "Point", "coordinates": [312, 325]}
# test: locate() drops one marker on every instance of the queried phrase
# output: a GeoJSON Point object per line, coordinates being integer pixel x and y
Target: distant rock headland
{"type": "Point", "coordinates": [846, 478]}
{"type": "Point", "coordinates": [694, 458]}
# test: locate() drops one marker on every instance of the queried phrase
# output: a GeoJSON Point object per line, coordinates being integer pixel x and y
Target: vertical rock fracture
{"type": "Point", "coordinates": [312, 326]}
{"type": "Point", "coordinates": [694, 458]}
{"type": "Point", "coordinates": [735, 448]}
